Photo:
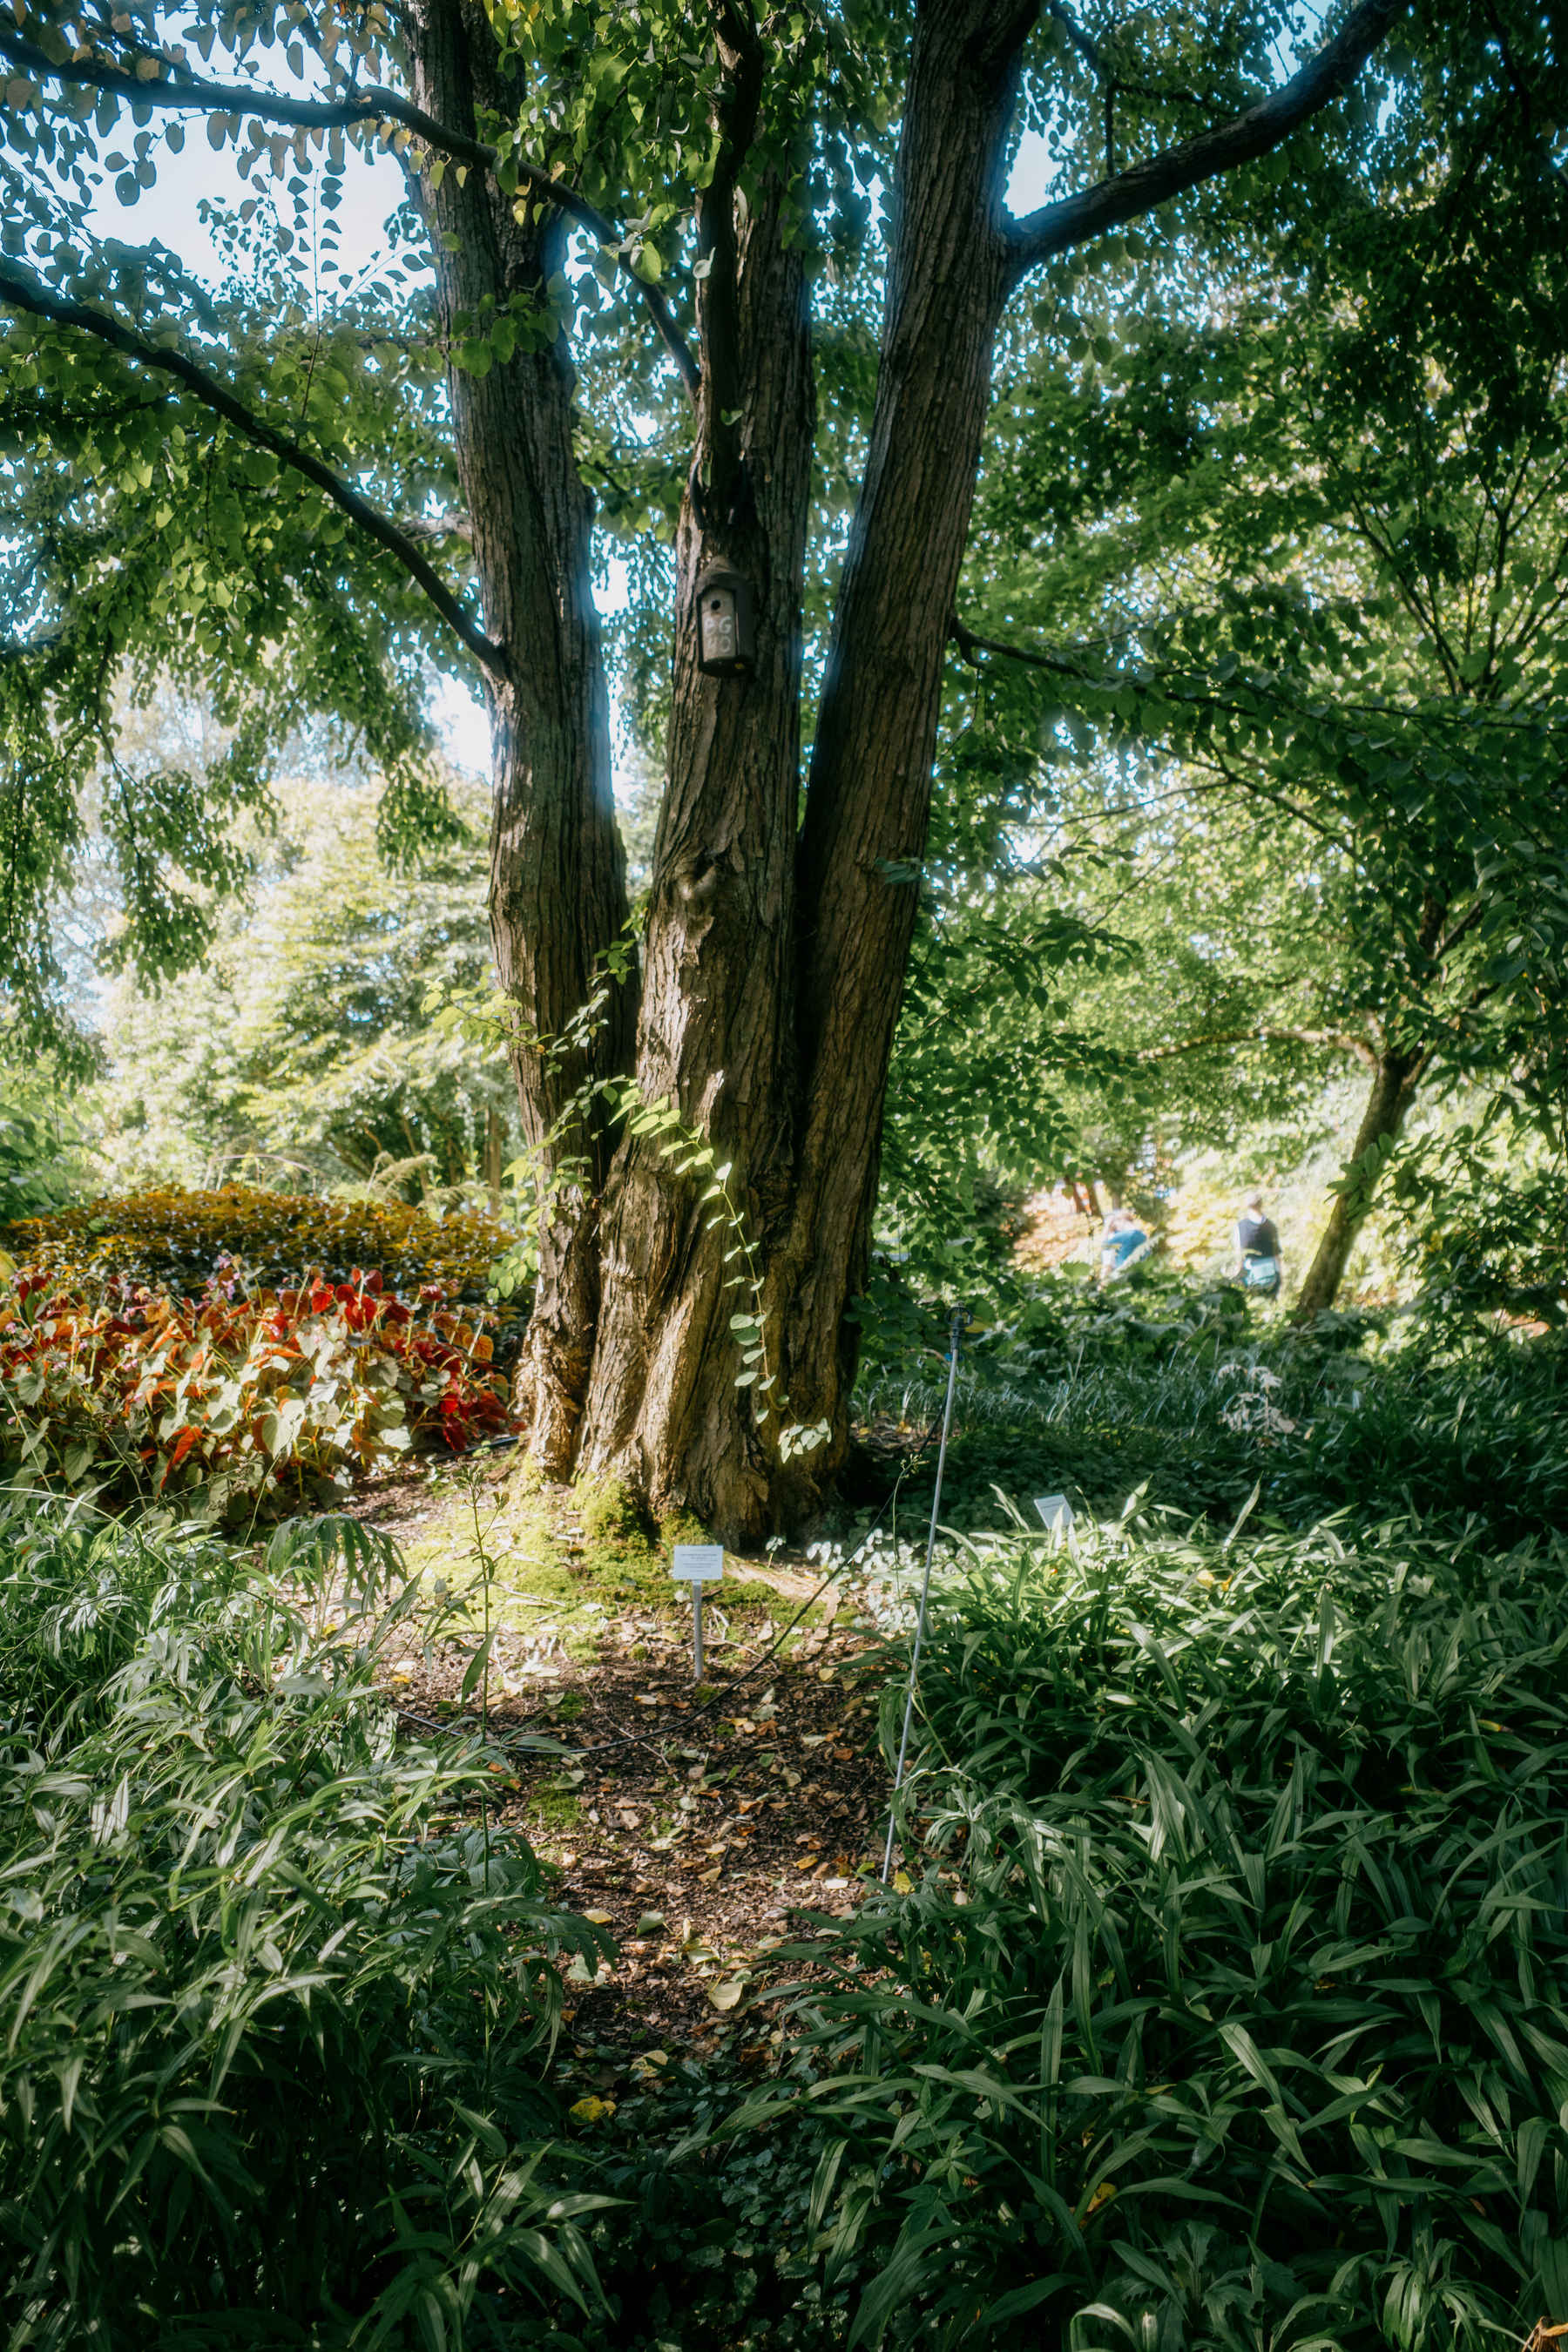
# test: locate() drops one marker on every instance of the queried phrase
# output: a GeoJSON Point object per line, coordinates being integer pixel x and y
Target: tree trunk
{"type": "Point", "coordinates": [772, 1030]}
{"type": "Point", "coordinates": [1394, 1080]}
{"type": "Point", "coordinates": [772, 970]}
{"type": "Point", "coordinates": [868, 807]}
{"type": "Point", "coordinates": [716, 1036]}
{"type": "Point", "coordinates": [558, 895]}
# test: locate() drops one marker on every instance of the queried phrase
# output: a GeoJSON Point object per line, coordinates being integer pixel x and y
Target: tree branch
{"type": "Point", "coordinates": [22, 294]}
{"type": "Point", "coordinates": [1094, 57]}
{"type": "Point", "coordinates": [1523, 91]}
{"type": "Point", "coordinates": [364, 109]}
{"type": "Point", "coordinates": [1072, 219]}
{"type": "Point", "coordinates": [969, 644]}
{"type": "Point", "coordinates": [719, 305]}
{"type": "Point", "coordinates": [1342, 1039]}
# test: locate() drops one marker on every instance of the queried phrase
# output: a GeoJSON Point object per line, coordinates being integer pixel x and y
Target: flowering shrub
{"type": "Point", "coordinates": [239, 1392]}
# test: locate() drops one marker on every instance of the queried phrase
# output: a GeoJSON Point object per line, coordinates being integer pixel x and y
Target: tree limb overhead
{"type": "Point", "coordinates": [22, 293]}
{"type": "Point", "coordinates": [1073, 219]}
{"type": "Point", "coordinates": [363, 111]}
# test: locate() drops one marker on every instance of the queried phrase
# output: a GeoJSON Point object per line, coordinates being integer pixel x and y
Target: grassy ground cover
{"type": "Point", "coordinates": [1221, 1999]}
{"type": "Point", "coordinates": [1224, 2000]}
{"type": "Point", "coordinates": [1187, 1388]}
{"type": "Point", "coordinates": [277, 1993]}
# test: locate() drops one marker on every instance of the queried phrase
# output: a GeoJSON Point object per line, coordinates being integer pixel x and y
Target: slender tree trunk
{"type": "Point", "coordinates": [558, 894]}
{"type": "Point", "coordinates": [869, 806]}
{"type": "Point", "coordinates": [1393, 1084]}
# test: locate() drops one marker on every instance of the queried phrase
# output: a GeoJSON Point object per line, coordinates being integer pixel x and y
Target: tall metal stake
{"type": "Point", "coordinates": [960, 1317]}
{"type": "Point", "coordinates": [696, 1629]}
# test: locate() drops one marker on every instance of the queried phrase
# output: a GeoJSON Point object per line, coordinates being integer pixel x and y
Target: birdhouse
{"type": "Point", "coordinates": [726, 636]}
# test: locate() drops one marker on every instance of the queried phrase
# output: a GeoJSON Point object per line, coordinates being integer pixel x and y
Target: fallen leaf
{"type": "Point", "coordinates": [592, 2111]}
{"type": "Point", "coordinates": [728, 1995]}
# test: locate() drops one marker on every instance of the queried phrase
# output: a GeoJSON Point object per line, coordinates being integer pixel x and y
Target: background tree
{"type": "Point", "coordinates": [301, 1051]}
{"type": "Point", "coordinates": [211, 458]}
{"type": "Point", "coordinates": [1318, 511]}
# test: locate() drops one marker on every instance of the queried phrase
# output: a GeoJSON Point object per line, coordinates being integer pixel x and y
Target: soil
{"type": "Point", "coordinates": [702, 1827]}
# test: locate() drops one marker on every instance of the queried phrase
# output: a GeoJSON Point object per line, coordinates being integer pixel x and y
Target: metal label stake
{"type": "Point", "coordinates": [961, 1317]}
{"type": "Point", "coordinates": [697, 1565]}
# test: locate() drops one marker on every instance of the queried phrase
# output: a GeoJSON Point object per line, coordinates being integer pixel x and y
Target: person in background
{"type": "Point", "coordinates": [1122, 1242]}
{"type": "Point", "coordinates": [1259, 1260]}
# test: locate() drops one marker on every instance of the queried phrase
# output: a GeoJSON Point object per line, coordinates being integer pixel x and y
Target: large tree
{"type": "Point", "coordinates": [215, 457]}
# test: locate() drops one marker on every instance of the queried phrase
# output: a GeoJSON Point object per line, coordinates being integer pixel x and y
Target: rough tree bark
{"type": "Point", "coordinates": [717, 1028]}
{"type": "Point", "coordinates": [771, 973]}
{"type": "Point", "coordinates": [558, 887]}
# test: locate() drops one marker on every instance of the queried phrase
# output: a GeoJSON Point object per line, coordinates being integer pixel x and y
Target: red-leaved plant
{"type": "Point", "coordinates": [226, 1396]}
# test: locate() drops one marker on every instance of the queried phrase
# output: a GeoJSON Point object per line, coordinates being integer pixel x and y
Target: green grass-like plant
{"type": "Point", "coordinates": [277, 1996]}
{"type": "Point", "coordinates": [1223, 2000]}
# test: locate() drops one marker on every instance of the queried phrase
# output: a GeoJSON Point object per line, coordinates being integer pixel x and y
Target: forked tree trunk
{"type": "Point", "coordinates": [558, 890]}
{"type": "Point", "coordinates": [772, 970]}
{"type": "Point", "coordinates": [771, 1028]}
{"type": "Point", "coordinates": [1394, 1085]}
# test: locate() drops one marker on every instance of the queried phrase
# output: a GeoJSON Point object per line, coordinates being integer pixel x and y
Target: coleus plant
{"type": "Point", "coordinates": [227, 1398]}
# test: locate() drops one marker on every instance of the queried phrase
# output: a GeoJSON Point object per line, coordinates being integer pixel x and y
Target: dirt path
{"type": "Point", "coordinates": [700, 1827]}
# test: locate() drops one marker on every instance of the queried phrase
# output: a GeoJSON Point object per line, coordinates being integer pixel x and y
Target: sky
{"type": "Point", "coordinates": [372, 188]}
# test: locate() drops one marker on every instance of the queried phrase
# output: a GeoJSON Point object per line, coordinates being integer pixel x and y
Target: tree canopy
{"type": "Point", "coordinates": [740, 284]}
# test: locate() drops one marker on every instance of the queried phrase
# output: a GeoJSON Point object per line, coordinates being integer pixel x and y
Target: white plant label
{"type": "Point", "coordinates": [697, 1563]}
{"type": "Point", "coordinates": [1055, 1511]}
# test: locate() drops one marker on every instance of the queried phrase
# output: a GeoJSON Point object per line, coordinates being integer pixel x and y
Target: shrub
{"type": "Point", "coordinates": [228, 1398]}
{"type": "Point", "coordinates": [166, 1236]}
{"type": "Point", "coordinates": [276, 1993]}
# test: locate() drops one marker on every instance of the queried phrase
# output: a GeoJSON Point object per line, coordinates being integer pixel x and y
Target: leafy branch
{"type": "Point", "coordinates": [20, 291]}
{"type": "Point", "coordinates": [370, 108]}
{"type": "Point", "coordinates": [1125, 196]}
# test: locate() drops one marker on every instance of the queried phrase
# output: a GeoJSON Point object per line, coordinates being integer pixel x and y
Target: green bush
{"type": "Point", "coordinates": [1227, 2003]}
{"type": "Point", "coordinates": [277, 1995]}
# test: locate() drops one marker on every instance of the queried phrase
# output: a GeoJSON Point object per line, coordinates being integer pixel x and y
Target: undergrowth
{"type": "Point", "coordinates": [1224, 2002]}
{"type": "Point", "coordinates": [1163, 1382]}
{"type": "Point", "coordinates": [277, 1995]}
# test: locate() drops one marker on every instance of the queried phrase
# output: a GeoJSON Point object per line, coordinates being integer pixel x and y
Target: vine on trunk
{"type": "Point", "coordinates": [491, 1020]}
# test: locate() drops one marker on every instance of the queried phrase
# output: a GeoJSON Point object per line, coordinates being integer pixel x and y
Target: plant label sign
{"type": "Point", "coordinates": [697, 1563]}
{"type": "Point", "coordinates": [1055, 1511]}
